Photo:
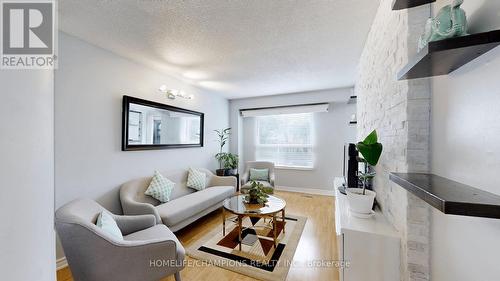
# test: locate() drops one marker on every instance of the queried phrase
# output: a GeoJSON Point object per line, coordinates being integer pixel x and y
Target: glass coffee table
{"type": "Point", "coordinates": [236, 205]}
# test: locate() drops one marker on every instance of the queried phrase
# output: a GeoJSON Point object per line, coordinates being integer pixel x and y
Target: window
{"type": "Point", "coordinates": [286, 140]}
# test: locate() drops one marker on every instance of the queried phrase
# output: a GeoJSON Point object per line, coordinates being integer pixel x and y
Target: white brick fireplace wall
{"type": "Point", "coordinates": [400, 112]}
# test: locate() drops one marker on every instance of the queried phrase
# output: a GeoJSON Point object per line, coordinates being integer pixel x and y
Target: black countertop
{"type": "Point", "coordinates": [450, 197]}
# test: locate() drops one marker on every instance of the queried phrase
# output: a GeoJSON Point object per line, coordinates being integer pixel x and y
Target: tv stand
{"type": "Point", "coordinates": [368, 247]}
{"type": "Point", "coordinates": [342, 188]}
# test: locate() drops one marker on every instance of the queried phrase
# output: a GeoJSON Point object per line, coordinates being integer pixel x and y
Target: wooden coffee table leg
{"type": "Point", "coordinates": [223, 222]}
{"type": "Point", "coordinates": [274, 230]}
{"type": "Point", "coordinates": [283, 218]}
{"type": "Point", "coordinates": [239, 230]}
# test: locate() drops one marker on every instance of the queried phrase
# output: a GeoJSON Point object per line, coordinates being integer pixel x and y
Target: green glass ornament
{"type": "Point", "coordinates": [451, 21]}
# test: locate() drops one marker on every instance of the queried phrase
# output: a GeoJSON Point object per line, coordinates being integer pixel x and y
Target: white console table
{"type": "Point", "coordinates": [370, 248]}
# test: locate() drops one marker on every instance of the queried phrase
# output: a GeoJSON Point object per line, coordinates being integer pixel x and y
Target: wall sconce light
{"type": "Point", "coordinates": [173, 94]}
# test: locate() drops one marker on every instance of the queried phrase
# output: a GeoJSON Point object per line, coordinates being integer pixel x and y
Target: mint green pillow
{"type": "Point", "coordinates": [259, 174]}
{"type": "Point", "coordinates": [160, 188]}
{"type": "Point", "coordinates": [196, 179]}
{"type": "Point", "coordinates": [107, 223]}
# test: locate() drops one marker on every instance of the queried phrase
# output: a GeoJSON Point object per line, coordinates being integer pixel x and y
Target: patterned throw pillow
{"type": "Point", "coordinates": [160, 188]}
{"type": "Point", "coordinates": [196, 179]}
{"type": "Point", "coordinates": [106, 222]}
{"type": "Point", "coordinates": [259, 174]}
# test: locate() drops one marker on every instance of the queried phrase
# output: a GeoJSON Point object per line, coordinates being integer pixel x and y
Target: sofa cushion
{"type": "Point", "coordinates": [160, 188]}
{"type": "Point", "coordinates": [107, 223]}
{"type": "Point", "coordinates": [196, 179]}
{"type": "Point", "coordinates": [177, 210]}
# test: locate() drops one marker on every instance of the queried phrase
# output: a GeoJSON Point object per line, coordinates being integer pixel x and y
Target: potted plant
{"type": "Point", "coordinates": [257, 194]}
{"type": "Point", "coordinates": [228, 162]}
{"type": "Point", "coordinates": [360, 199]}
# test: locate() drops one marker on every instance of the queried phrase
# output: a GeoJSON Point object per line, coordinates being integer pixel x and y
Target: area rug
{"type": "Point", "coordinates": [258, 258]}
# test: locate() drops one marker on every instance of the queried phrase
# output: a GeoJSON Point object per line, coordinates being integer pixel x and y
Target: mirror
{"type": "Point", "coordinates": [150, 125]}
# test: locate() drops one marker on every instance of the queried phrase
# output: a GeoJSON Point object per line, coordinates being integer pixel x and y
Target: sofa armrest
{"type": "Point", "coordinates": [244, 179]}
{"type": "Point", "coordinates": [131, 207]}
{"type": "Point", "coordinates": [223, 181]}
{"type": "Point", "coordinates": [154, 259]}
{"type": "Point", "coordinates": [130, 224]}
{"type": "Point", "coordinates": [93, 256]}
{"type": "Point", "coordinates": [271, 179]}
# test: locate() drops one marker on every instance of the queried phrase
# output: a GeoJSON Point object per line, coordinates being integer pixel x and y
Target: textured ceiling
{"type": "Point", "coordinates": [237, 48]}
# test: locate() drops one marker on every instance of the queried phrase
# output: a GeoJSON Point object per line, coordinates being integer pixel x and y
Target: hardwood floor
{"type": "Point", "coordinates": [318, 242]}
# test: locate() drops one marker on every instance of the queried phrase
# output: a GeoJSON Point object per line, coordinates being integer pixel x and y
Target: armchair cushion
{"type": "Point", "coordinates": [258, 165]}
{"type": "Point", "coordinates": [259, 174]}
{"type": "Point", "coordinates": [106, 222]}
{"type": "Point", "coordinates": [266, 184]}
{"type": "Point", "coordinates": [160, 188]}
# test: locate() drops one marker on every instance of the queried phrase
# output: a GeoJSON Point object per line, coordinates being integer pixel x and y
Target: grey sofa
{"type": "Point", "coordinates": [186, 204]}
{"type": "Point", "coordinates": [94, 255]}
{"type": "Point", "coordinates": [245, 179]}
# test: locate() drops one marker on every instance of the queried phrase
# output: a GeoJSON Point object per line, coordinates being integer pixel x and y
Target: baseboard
{"type": "Point", "coordinates": [61, 263]}
{"type": "Point", "coordinates": [315, 191]}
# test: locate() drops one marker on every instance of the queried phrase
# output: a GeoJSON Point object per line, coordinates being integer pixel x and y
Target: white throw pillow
{"type": "Point", "coordinates": [107, 223]}
{"type": "Point", "coordinates": [196, 179]}
{"type": "Point", "coordinates": [160, 188]}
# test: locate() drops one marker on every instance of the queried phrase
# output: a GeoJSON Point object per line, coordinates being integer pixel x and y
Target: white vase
{"type": "Point", "coordinates": [359, 203]}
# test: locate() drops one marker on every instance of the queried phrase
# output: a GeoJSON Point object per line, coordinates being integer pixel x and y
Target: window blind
{"type": "Point", "coordinates": [284, 110]}
{"type": "Point", "coordinates": [286, 140]}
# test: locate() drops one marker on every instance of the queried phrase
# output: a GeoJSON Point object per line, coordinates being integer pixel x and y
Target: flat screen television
{"type": "Point", "coordinates": [350, 166]}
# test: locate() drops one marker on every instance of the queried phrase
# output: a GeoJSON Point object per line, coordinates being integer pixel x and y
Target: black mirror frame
{"type": "Point", "coordinates": [127, 100]}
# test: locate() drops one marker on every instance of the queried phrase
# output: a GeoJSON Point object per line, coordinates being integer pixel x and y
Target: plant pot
{"type": "Point", "coordinates": [359, 203]}
{"type": "Point", "coordinates": [230, 172]}
{"type": "Point", "coordinates": [252, 201]}
{"type": "Point", "coordinates": [220, 172]}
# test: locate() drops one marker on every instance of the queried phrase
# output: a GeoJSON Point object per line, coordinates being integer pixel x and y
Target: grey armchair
{"type": "Point", "coordinates": [245, 184]}
{"type": "Point", "coordinates": [149, 251]}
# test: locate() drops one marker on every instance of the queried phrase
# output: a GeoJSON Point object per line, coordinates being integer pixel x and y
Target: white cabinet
{"type": "Point", "coordinates": [370, 248]}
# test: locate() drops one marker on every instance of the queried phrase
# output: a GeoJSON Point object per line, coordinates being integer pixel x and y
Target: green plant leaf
{"type": "Point", "coordinates": [371, 152]}
{"type": "Point", "coordinates": [370, 148]}
{"type": "Point", "coordinates": [372, 138]}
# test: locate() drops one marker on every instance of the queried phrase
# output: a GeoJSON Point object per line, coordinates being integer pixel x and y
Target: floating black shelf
{"type": "Point", "coordinates": [445, 56]}
{"type": "Point", "coordinates": [405, 4]}
{"type": "Point", "coordinates": [353, 122]}
{"type": "Point", "coordinates": [450, 197]}
{"type": "Point", "coordinates": [352, 100]}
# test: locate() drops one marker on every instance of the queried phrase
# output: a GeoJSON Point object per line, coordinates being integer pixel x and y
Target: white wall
{"type": "Point", "coordinates": [27, 175]}
{"type": "Point", "coordinates": [89, 86]}
{"type": "Point", "coordinates": [465, 145]}
{"type": "Point", "coordinates": [332, 131]}
{"type": "Point", "coordinates": [400, 112]}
